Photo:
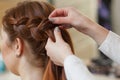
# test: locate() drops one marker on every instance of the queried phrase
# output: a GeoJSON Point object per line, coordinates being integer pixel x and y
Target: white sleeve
{"type": "Point", "coordinates": [111, 46]}
{"type": "Point", "coordinates": [76, 70]}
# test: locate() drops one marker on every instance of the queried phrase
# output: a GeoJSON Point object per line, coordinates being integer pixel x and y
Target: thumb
{"type": "Point", "coordinates": [58, 35]}
{"type": "Point", "coordinates": [59, 20]}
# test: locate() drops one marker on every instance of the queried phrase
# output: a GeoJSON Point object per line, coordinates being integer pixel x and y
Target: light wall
{"type": "Point", "coordinates": [116, 16]}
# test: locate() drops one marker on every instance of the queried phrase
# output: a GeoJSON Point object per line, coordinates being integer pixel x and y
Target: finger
{"type": "Point", "coordinates": [60, 20]}
{"type": "Point", "coordinates": [58, 13]}
{"type": "Point", "coordinates": [65, 26]}
{"type": "Point", "coordinates": [57, 63]}
{"type": "Point", "coordinates": [59, 16]}
{"type": "Point", "coordinates": [49, 43]}
{"type": "Point", "coordinates": [58, 35]}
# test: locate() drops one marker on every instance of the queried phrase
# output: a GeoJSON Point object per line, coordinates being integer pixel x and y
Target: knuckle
{"type": "Point", "coordinates": [46, 47]}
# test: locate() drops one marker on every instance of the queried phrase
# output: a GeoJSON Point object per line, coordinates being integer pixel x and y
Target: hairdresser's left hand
{"type": "Point", "coordinates": [58, 51]}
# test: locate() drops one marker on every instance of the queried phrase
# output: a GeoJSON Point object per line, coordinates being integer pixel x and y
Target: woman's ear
{"type": "Point", "coordinates": [18, 46]}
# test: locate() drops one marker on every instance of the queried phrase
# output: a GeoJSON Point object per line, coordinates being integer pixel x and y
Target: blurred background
{"type": "Point", "coordinates": [104, 12]}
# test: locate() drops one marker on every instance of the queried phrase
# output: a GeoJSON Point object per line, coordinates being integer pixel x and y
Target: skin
{"type": "Point", "coordinates": [70, 16]}
{"type": "Point", "coordinates": [15, 59]}
{"type": "Point", "coordinates": [63, 50]}
{"type": "Point", "coordinates": [8, 52]}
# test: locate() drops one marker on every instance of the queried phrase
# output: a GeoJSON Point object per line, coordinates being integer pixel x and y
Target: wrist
{"type": "Point", "coordinates": [65, 57]}
{"type": "Point", "coordinates": [97, 32]}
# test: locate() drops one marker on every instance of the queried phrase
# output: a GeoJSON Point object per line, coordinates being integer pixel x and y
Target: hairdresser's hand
{"type": "Point", "coordinates": [59, 50]}
{"type": "Point", "coordinates": [70, 16]}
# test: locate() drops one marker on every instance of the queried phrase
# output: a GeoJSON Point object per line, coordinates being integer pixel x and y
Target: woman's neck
{"type": "Point", "coordinates": [28, 72]}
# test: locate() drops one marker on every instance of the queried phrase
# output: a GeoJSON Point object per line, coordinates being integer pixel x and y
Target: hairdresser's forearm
{"type": "Point", "coordinates": [92, 29]}
{"type": "Point", "coordinates": [97, 32]}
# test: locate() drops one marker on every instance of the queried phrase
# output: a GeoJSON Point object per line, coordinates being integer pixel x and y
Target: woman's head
{"type": "Point", "coordinates": [26, 29]}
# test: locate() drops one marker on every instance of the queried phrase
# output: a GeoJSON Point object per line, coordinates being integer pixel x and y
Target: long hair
{"type": "Point", "coordinates": [29, 21]}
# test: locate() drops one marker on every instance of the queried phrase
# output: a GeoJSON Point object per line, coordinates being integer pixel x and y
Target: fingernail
{"type": "Point", "coordinates": [51, 19]}
{"type": "Point", "coordinates": [57, 29]}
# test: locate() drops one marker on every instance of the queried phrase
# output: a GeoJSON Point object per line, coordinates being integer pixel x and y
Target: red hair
{"type": "Point", "coordinates": [29, 21]}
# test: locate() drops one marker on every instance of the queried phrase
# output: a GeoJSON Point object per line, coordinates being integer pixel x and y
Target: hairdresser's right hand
{"type": "Point", "coordinates": [69, 16]}
{"type": "Point", "coordinates": [58, 51]}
